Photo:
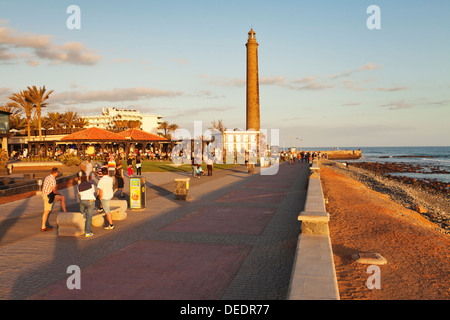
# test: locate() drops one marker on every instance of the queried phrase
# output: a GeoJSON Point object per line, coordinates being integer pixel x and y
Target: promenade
{"type": "Point", "coordinates": [235, 239]}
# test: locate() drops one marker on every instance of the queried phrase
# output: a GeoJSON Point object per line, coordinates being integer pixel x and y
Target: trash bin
{"type": "Point", "coordinates": [182, 189]}
{"type": "Point", "coordinates": [137, 193]}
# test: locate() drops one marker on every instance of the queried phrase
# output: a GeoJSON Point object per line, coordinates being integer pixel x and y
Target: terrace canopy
{"type": "Point", "coordinates": [103, 140]}
{"type": "Point", "coordinates": [143, 139]}
{"type": "Point", "coordinates": [95, 136]}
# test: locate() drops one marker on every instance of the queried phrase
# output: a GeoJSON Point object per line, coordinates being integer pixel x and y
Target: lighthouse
{"type": "Point", "coordinates": [253, 119]}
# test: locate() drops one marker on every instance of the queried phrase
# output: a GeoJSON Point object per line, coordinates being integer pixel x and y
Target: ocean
{"type": "Point", "coordinates": [430, 158]}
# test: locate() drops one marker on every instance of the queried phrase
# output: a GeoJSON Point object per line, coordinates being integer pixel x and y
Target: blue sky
{"type": "Point", "coordinates": [326, 80]}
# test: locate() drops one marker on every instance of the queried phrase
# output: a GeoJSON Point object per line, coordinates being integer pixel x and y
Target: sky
{"type": "Point", "coordinates": [326, 79]}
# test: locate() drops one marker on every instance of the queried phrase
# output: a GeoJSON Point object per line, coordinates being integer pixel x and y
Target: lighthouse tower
{"type": "Point", "coordinates": [253, 118]}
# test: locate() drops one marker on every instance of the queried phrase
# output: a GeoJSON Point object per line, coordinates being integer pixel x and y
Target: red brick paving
{"type": "Point", "coordinates": [213, 219]}
{"type": "Point", "coordinates": [159, 270]}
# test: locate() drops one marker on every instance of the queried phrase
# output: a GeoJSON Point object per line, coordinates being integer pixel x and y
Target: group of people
{"type": "Point", "coordinates": [110, 180]}
{"type": "Point", "coordinates": [302, 156]}
{"type": "Point", "coordinates": [197, 170]}
{"type": "Point", "coordinates": [88, 195]}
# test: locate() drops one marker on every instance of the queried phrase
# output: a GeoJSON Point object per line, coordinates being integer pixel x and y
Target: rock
{"type": "Point", "coordinates": [369, 258]}
{"type": "Point", "coordinates": [421, 209]}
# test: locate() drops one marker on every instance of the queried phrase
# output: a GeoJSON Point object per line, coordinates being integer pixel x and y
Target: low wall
{"type": "Point", "coordinates": [342, 154]}
{"type": "Point", "coordinates": [22, 186]}
{"type": "Point", "coordinates": [313, 274]}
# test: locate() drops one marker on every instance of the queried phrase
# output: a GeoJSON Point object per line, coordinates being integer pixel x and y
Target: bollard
{"type": "Point", "coordinates": [39, 192]}
{"type": "Point", "coordinates": [182, 189]}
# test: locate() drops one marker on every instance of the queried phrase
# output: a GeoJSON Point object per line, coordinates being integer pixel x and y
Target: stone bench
{"type": "Point", "coordinates": [313, 275]}
{"type": "Point", "coordinates": [118, 212]}
{"type": "Point", "coordinates": [70, 224]}
{"type": "Point", "coordinates": [314, 218]}
{"type": "Point", "coordinates": [73, 223]}
{"type": "Point", "coordinates": [314, 222]}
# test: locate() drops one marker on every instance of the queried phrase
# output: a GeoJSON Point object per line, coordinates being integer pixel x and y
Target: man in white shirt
{"type": "Point", "coordinates": [86, 192]}
{"type": "Point", "coordinates": [105, 192]}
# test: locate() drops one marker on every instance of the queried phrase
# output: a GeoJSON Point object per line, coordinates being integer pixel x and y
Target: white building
{"type": "Point", "coordinates": [109, 116]}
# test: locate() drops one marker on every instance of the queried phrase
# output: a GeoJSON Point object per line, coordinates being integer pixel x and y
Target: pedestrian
{"type": "Point", "coordinates": [86, 192]}
{"type": "Point", "coordinates": [194, 166]}
{"type": "Point", "coordinates": [111, 166]}
{"type": "Point", "coordinates": [209, 165]}
{"type": "Point", "coordinates": [130, 166]}
{"type": "Point", "coordinates": [88, 169]}
{"type": "Point", "coordinates": [291, 158]}
{"type": "Point", "coordinates": [50, 195]}
{"type": "Point", "coordinates": [118, 181]}
{"type": "Point", "coordinates": [247, 158]}
{"type": "Point", "coordinates": [138, 165]}
{"type": "Point", "coordinates": [105, 192]}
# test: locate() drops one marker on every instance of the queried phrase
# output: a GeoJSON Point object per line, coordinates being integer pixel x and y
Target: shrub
{"type": "Point", "coordinates": [70, 160]}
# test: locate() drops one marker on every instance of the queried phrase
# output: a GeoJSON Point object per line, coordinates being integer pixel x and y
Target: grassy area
{"type": "Point", "coordinates": [168, 166]}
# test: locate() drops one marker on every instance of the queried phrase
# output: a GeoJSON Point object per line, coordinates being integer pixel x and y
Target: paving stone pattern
{"type": "Point", "coordinates": [235, 239]}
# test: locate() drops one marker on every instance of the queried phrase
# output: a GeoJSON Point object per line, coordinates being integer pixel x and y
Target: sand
{"type": "Point", "coordinates": [363, 220]}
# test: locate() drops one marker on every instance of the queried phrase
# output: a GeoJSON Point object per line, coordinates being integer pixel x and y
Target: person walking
{"type": "Point", "coordinates": [130, 166]}
{"type": "Point", "coordinates": [119, 179]}
{"type": "Point", "coordinates": [50, 195]}
{"type": "Point", "coordinates": [88, 169]}
{"type": "Point", "coordinates": [291, 158]}
{"type": "Point", "coordinates": [209, 165]}
{"type": "Point", "coordinates": [138, 165]}
{"type": "Point", "coordinates": [105, 192]}
{"type": "Point", "coordinates": [111, 165]}
{"type": "Point", "coordinates": [86, 192]}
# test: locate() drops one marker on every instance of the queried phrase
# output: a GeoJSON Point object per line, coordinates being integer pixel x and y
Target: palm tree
{"type": "Point", "coordinates": [165, 127]}
{"type": "Point", "coordinates": [81, 123]}
{"type": "Point", "coordinates": [70, 118]}
{"type": "Point", "coordinates": [37, 97]}
{"type": "Point", "coordinates": [15, 118]}
{"type": "Point", "coordinates": [20, 101]}
{"type": "Point", "coordinates": [53, 120]}
{"type": "Point", "coordinates": [12, 108]}
{"type": "Point", "coordinates": [217, 125]}
{"type": "Point", "coordinates": [17, 122]}
{"type": "Point", "coordinates": [173, 127]}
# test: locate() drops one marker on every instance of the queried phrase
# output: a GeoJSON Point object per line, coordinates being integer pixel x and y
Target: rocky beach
{"type": "Point", "coordinates": [431, 198]}
{"type": "Point", "coordinates": [404, 223]}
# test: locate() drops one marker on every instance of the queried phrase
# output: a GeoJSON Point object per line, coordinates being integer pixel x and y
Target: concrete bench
{"type": "Point", "coordinates": [70, 224]}
{"type": "Point", "coordinates": [314, 222]}
{"type": "Point", "coordinates": [118, 212]}
{"type": "Point", "coordinates": [313, 274]}
{"type": "Point", "coordinates": [73, 223]}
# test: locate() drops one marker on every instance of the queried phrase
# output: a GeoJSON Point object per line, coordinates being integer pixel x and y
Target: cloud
{"type": "Point", "coordinates": [4, 90]}
{"type": "Point", "coordinates": [369, 66]}
{"type": "Point", "coordinates": [397, 105]}
{"type": "Point", "coordinates": [181, 62]}
{"type": "Point", "coordinates": [350, 104]}
{"type": "Point", "coordinates": [197, 111]}
{"type": "Point", "coordinates": [346, 73]}
{"type": "Point", "coordinates": [309, 83]}
{"type": "Point", "coordinates": [115, 95]}
{"type": "Point", "coordinates": [223, 81]}
{"type": "Point", "coordinates": [391, 89]}
{"type": "Point", "coordinates": [275, 80]}
{"type": "Point", "coordinates": [42, 47]}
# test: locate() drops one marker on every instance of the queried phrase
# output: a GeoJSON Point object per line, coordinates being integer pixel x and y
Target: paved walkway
{"type": "Point", "coordinates": [234, 239]}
